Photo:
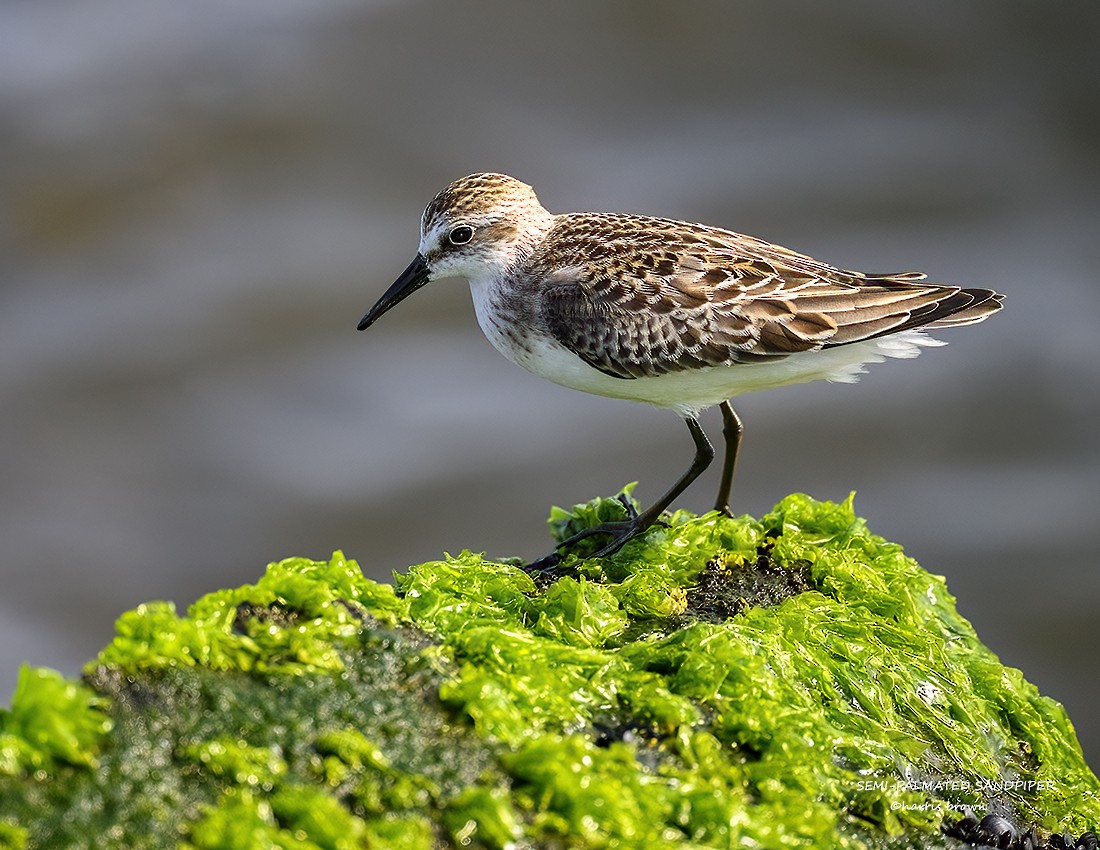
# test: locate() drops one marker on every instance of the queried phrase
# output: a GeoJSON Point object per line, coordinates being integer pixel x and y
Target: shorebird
{"type": "Point", "coordinates": [682, 316]}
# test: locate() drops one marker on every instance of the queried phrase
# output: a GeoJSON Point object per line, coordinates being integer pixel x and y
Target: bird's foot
{"type": "Point", "coordinates": [544, 566]}
{"type": "Point", "coordinates": [620, 532]}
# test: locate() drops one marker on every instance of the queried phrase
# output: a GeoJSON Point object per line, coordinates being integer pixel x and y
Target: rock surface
{"type": "Point", "coordinates": [788, 681]}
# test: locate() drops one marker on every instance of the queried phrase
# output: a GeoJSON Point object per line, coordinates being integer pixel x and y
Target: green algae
{"type": "Point", "coordinates": [291, 621]}
{"type": "Point", "coordinates": [237, 761]}
{"type": "Point", "coordinates": [210, 758]}
{"type": "Point", "coordinates": [483, 815]}
{"type": "Point", "coordinates": [12, 837]}
{"type": "Point", "coordinates": [788, 681]}
{"type": "Point", "coordinates": [51, 721]}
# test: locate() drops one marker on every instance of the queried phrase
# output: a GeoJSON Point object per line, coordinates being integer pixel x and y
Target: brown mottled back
{"type": "Point", "coordinates": [636, 296]}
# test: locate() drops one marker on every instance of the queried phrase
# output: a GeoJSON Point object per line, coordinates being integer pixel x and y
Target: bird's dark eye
{"type": "Point", "coordinates": [461, 234]}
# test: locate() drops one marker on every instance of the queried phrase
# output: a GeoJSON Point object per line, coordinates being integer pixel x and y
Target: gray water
{"type": "Point", "coordinates": [201, 200]}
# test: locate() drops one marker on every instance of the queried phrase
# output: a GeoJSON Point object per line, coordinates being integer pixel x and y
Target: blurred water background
{"type": "Point", "coordinates": [200, 200]}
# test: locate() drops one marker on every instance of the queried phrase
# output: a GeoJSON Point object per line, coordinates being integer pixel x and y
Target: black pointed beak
{"type": "Point", "coordinates": [414, 277]}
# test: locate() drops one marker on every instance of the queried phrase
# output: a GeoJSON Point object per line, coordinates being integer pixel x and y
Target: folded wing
{"type": "Point", "coordinates": [690, 297]}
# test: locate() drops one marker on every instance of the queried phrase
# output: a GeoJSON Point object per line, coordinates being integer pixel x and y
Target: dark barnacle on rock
{"type": "Point", "coordinates": [991, 831]}
{"type": "Point", "coordinates": [997, 831]}
{"type": "Point", "coordinates": [1065, 841]}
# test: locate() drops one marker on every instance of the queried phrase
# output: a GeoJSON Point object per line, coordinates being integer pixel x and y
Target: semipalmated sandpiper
{"type": "Point", "coordinates": [680, 315]}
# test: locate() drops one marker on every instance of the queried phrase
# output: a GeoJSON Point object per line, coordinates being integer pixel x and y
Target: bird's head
{"type": "Point", "coordinates": [477, 227]}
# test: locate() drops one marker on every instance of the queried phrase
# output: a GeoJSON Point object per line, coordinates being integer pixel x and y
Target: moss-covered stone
{"type": "Point", "coordinates": [788, 681]}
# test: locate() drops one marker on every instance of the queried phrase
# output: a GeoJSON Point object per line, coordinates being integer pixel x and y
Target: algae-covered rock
{"type": "Point", "coordinates": [792, 681]}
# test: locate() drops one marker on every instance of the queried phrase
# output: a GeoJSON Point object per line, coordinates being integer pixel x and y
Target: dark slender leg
{"type": "Point", "coordinates": [625, 530]}
{"type": "Point", "coordinates": [731, 430]}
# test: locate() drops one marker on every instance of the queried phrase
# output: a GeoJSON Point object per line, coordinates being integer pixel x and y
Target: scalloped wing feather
{"type": "Point", "coordinates": [635, 296]}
